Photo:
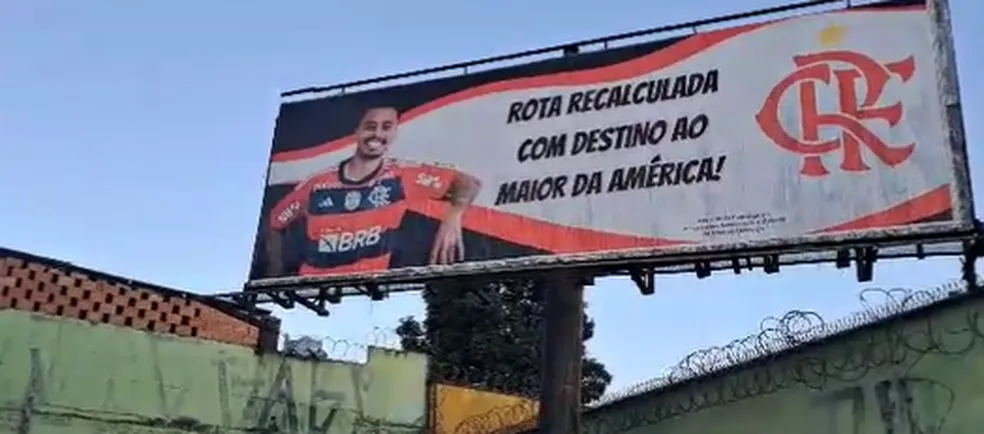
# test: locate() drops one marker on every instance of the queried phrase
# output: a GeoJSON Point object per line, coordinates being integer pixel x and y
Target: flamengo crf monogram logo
{"type": "Point", "coordinates": [851, 73]}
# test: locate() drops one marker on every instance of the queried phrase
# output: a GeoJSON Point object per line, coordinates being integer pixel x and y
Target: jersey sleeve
{"type": "Point", "coordinates": [290, 207]}
{"type": "Point", "coordinates": [429, 180]}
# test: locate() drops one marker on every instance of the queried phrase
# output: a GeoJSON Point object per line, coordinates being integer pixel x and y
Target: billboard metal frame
{"type": "Point", "coordinates": [960, 238]}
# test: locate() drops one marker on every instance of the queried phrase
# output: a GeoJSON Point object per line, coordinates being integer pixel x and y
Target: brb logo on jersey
{"type": "Point", "coordinates": [858, 81]}
{"type": "Point", "coordinates": [341, 242]}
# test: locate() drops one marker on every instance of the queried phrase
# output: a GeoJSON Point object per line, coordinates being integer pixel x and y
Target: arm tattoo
{"type": "Point", "coordinates": [463, 190]}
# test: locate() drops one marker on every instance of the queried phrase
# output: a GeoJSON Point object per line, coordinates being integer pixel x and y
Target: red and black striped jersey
{"type": "Point", "coordinates": [351, 224]}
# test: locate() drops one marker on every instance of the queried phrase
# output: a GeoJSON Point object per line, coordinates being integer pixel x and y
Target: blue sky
{"type": "Point", "coordinates": [134, 136]}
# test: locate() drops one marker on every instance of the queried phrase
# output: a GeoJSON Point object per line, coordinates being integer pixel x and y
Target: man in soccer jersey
{"type": "Point", "coordinates": [353, 211]}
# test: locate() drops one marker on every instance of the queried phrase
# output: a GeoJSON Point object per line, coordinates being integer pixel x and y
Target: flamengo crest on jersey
{"type": "Point", "coordinates": [342, 199]}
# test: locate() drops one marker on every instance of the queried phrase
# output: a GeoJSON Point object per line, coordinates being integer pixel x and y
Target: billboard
{"type": "Point", "coordinates": [803, 131]}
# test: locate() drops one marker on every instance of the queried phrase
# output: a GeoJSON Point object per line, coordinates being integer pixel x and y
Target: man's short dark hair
{"type": "Point", "coordinates": [382, 107]}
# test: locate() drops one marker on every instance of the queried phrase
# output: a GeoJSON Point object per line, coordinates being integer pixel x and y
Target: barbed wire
{"type": "Point", "coordinates": [497, 420]}
{"type": "Point", "coordinates": [500, 420]}
{"type": "Point", "coordinates": [778, 334]}
{"type": "Point", "coordinates": [892, 344]}
{"type": "Point", "coordinates": [793, 329]}
{"type": "Point", "coordinates": [336, 348]}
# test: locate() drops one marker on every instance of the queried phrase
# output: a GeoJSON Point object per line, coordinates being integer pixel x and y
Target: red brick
{"type": "Point", "coordinates": [47, 286]}
{"type": "Point", "coordinates": [49, 309]}
{"type": "Point", "coordinates": [70, 312]}
{"type": "Point", "coordinates": [116, 320]}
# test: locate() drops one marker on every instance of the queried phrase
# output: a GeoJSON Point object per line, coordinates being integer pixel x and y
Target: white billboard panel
{"type": "Point", "coordinates": [810, 129]}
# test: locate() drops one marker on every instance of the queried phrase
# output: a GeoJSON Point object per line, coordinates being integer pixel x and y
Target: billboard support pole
{"type": "Point", "coordinates": [560, 377]}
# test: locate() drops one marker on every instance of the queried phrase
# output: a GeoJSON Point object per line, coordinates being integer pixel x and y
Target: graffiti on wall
{"type": "Point", "coordinates": [902, 405]}
{"type": "Point", "coordinates": [918, 375]}
{"type": "Point", "coordinates": [60, 376]}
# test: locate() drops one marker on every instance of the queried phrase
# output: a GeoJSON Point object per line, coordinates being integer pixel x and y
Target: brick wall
{"type": "Point", "coordinates": [55, 288]}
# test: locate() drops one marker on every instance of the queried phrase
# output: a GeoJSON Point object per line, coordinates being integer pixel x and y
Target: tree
{"type": "Point", "coordinates": [491, 338]}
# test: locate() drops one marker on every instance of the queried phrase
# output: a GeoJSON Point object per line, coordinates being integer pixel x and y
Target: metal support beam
{"type": "Point", "coordinates": [864, 260]}
{"type": "Point", "coordinates": [283, 300]}
{"type": "Point", "coordinates": [843, 258]}
{"type": "Point", "coordinates": [644, 279]}
{"type": "Point", "coordinates": [770, 264]}
{"type": "Point", "coordinates": [317, 308]}
{"type": "Point", "coordinates": [372, 290]}
{"type": "Point", "coordinates": [331, 295]}
{"type": "Point", "coordinates": [642, 273]}
{"type": "Point", "coordinates": [702, 269]}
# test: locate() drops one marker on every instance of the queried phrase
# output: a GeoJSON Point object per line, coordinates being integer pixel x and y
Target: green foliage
{"type": "Point", "coordinates": [491, 338]}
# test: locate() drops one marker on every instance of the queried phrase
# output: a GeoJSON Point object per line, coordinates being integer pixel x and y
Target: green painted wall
{"type": "Point", "coordinates": [921, 376]}
{"type": "Point", "coordinates": [60, 376]}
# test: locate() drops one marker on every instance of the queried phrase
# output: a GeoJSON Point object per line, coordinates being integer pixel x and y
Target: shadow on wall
{"type": "Point", "coordinates": [459, 410]}
{"type": "Point", "coordinates": [66, 376]}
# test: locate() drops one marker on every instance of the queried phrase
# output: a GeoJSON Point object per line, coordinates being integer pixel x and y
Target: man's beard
{"type": "Point", "coordinates": [370, 156]}
{"type": "Point", "coordinates": [372, 151]}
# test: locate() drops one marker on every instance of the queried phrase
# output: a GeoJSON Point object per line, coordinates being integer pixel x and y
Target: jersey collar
{"type": "Point", "coordinates": [344, 179]}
